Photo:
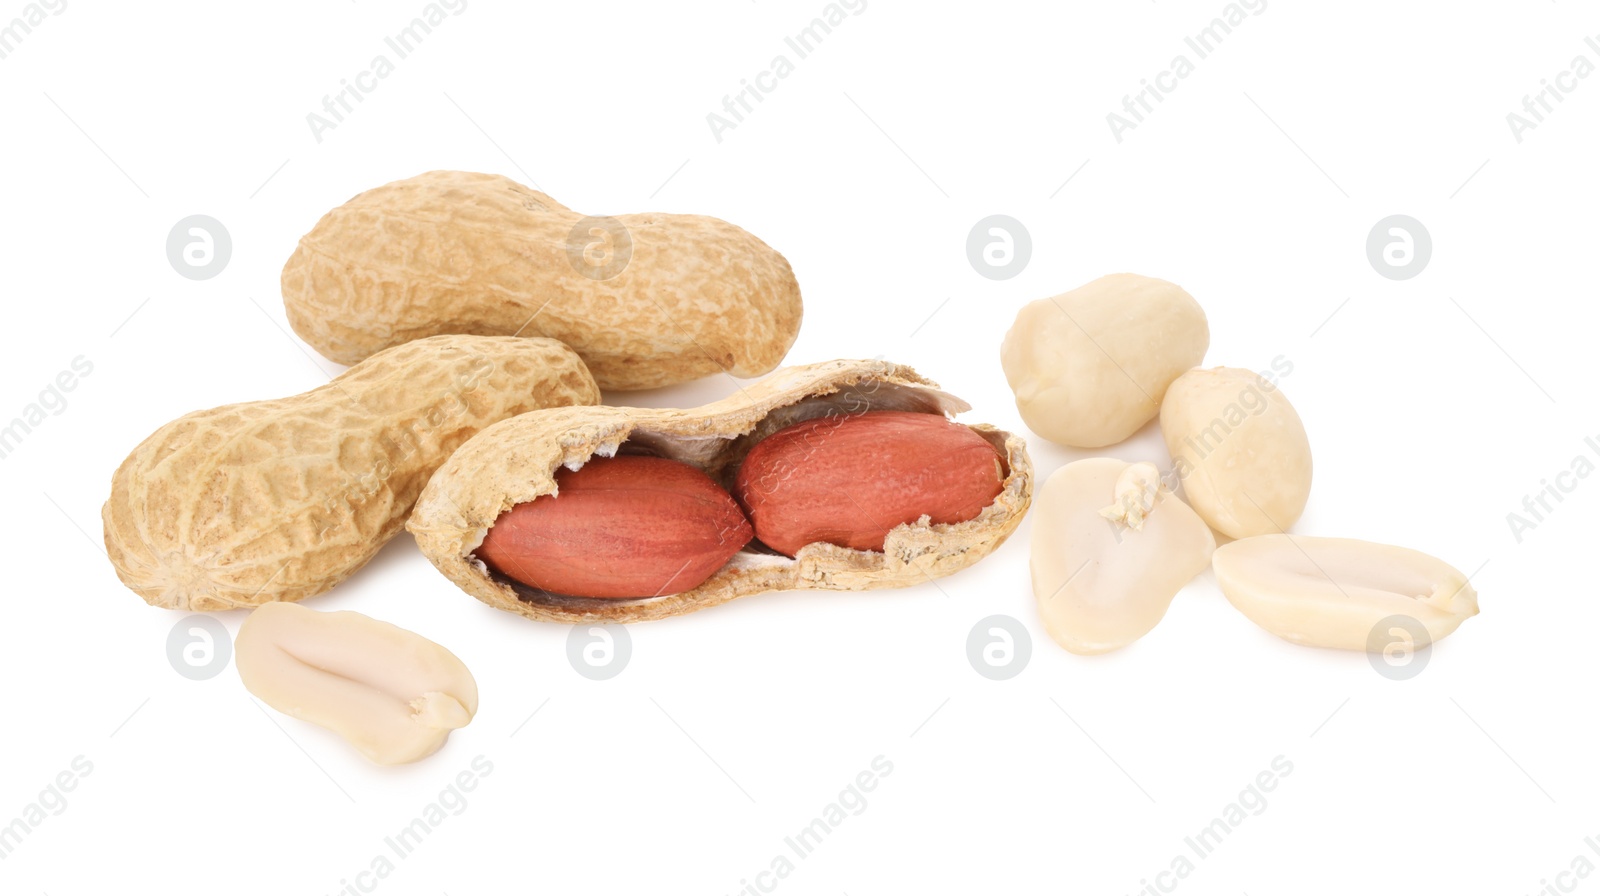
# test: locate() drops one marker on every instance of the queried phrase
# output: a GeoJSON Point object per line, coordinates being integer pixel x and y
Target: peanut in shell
{"type": "Point", "coordinates": [279, 500]}
{"type": "Point", "coordinates": [647, 300]}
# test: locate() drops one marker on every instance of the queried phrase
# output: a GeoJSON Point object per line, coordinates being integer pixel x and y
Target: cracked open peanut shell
{"type": "Point", "coordinates": [516, 460]}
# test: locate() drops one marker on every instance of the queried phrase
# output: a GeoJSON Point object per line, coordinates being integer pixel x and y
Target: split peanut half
{"type": "Point", "coordinates": [1332, 592]}
{"type": "Point", "coordinates": [393, 694]}
{"type": "Point", "coordinates": [1111, 548]}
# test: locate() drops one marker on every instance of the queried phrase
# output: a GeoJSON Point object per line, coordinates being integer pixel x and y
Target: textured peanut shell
{"type": "Point", "coordinates": [283, 499]}
{"type": "Point", "coordinates": [458, 252]}
{"type": "Point", "coordinates": [514, 461]}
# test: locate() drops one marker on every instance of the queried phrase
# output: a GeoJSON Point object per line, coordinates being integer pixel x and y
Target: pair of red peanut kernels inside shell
{"type": "Point", "coordinates": [636, 526]}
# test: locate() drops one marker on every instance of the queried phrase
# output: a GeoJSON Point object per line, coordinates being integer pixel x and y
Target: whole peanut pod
{"type": "Point", "coordinates": [279, 500]}
{"type": "Point", "coordinates": [646, 300]}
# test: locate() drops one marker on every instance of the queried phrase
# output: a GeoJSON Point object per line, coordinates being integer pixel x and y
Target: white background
{"type": "Point", "coordinates": [1434, 406]}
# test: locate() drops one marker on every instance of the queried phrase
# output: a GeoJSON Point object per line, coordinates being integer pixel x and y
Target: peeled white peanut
{"type": "Point", "coordinates": [1090, 366]}
{"type": "Point", "coordinates": [1332, 592]}
{"type": "Point", "coordinates": [393, 694]}
{"type": "Point", "coordinates": [1239, 448]}
{"type": "Point", "coordinates": [1111, 548]}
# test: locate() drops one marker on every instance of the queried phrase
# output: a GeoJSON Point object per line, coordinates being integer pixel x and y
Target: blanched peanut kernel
{"type": "Point", "coordinates": [1090, 366]}
{"type": "Point", "coordinates": [1239, 448]}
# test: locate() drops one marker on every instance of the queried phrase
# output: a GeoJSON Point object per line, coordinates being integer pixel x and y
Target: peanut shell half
{"type": "Point", "coordinates": [514, 461]}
